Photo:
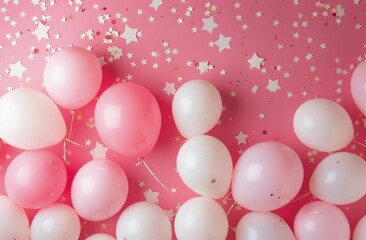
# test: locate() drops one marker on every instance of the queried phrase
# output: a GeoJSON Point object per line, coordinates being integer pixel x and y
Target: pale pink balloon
{"type": "Point", "coordinates": [128, 119]}
{"type": "Point", "coordinates": [360, 229]}
{"type": "Point", "coordinates": [201, 218]}
{"type": "Point", "coordinates": [263, 226]}
{"type": "Point", "coordinates": [72, 77]}
{"type": "Point", "coordinates": [35, 179]}
{"type": "Point", "coordinates": [57, 222]}
{"type": "Point", "coordinates": [30, 120]}
{"type": "Point", "coordinates": [267, 176]}
{"type": "Point", "coordinates": [99, 190]}
{"type": "Point", "coordinates": [323, 125]}
{"type": "Point", "coordinates": [14, 223]}
{"type": "Point", "coordinates": [340, 178]}
{"type": "Point", "coordinates": [196, 108]}
{"type": "Point", "coordinates": [204, 164]}
{"type": "Point", "coordinates": [358, 86]}
{"type": "Point", "coordinates": [100, 236]}
{"type": "Point", "coordinates": [321, 221]}
{"type": "Point", "coordinates": [144, 221]}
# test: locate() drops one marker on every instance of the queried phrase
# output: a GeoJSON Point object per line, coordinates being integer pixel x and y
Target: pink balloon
{"type": "Point", "coordinates": [267, 176]}
{"type": "Point", "coordinates": [128, 119]}
{"type": "Point", "coordinates": [358, 83]}
{"type": "Point", "coordinates": [99, 190]}
{"type": "Point", "coordinates": [72, 77]}
{"type": "Point", "coordinates": [35, 179]}
{"type": "Point", "coordinates": [321, 221]}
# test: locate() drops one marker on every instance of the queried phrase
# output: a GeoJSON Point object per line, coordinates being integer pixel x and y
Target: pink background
{"type": "Point", "coordinates": [310, 48]}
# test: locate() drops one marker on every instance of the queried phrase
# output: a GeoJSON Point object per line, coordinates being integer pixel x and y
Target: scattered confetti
{"type": "Point", "coordinates": [263, 60]}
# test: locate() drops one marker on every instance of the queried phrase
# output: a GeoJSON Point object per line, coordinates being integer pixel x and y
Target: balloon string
{"type": "Point", "coordinates": [67, 139]}
{"type": "Point", "coordinates": [231, 208]}
{"type": "Point", "coordinates": [71, 123]}
{"type": "Point", "coordinates": [64, 153]}
{"type": "Point", "coordinates": [363, 145]}
{"type": "Point", "coordinates": [227, 196]}
{"type": "Point", "coordinates": [152, 174]}
{"type": "Point", "coordinates": [301, 197]}
{"type": "Point", "coordinates": [82, 225]}
{"type": "Point", "coordinates": [75, 143]}
{"type": "Point", "coordinates": [354, 140]}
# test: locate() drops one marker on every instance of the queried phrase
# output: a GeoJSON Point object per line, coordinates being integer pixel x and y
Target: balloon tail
{"type": "Point", "coordinates": [152, 174]}
{"type": "Point", "coordinates": [231, 208]}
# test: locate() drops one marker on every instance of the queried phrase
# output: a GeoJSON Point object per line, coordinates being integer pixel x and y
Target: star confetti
{"type": "Point", "coordinates": [99, 151]}
{"type": "Point", "coordinates": [151, 196]}
{"type": "Point", "coordinates": [255, 61]}
{"type": "Point", "coordinates": [130, 35]}
{"type": "Point", "coordinates": [264, 61]}
{"type": "Point", "coordinates": [41, 31]}
{"type": "Point", "coordinates": [17, 69]}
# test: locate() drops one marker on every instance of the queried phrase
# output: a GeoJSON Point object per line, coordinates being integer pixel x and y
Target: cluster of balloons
{"type": "Point", "coordinates": [339, 179]}
{"type": "Point", "coordinates": [203, 162]}
{"type": "Point", "coordinates": [127, 118]}
{"type": "Point", "coordinates": [267, 176]}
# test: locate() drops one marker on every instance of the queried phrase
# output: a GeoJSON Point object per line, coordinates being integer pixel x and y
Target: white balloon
{"type": "Point", "coordinates": [339, 178]}
{"type": "Point", "coordinates": [144, 221]}
{"type": "Point", "coordinates": [100, 236]}
{"type": "Point", "coordinates": [56, 222]}
{"type": "Point", "coordinates": [205, 166]}
{"type": "Point", "coordinates": [196, 107]}
{"type": "Point", "coordinates": [201, 218]}
{"type": "Point", "coordinates": [30, 120]}
{"type": "Point", "coordinates": [360, 229]}
{"type": "Point", "coordinates": [323, 125]}
{"type": "Point", "coordinates": [263, 226]}
{"type": "Point", "coordinates": [14, 223]}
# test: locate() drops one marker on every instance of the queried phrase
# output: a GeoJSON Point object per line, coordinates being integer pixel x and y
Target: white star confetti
{"type": "Point", "coordinates": [255, 61]}
{"type": "Point", "coordinates": [155, 4]}
{"type": "Point", "coordinates": [99, 151]}
{"type": "Point", "coordinates": [204, 66]}
{"type": "Point", "coordinates": [151, 196]}
{"type": "Point", "coordinates": [169, 88]}
{"type": "Point", "coordinates": [17, 69]}
{"type": "Point", "coordinates": [242, 138]}
{"type": "Point", "coordinates": [41, 31]}
{"type": "Point", "coordinates": [273, 86]}
{"type": "Point", "coordinates": [130, 35]}
{"type": "Point", "coordinates": [209, 24]}
{"type": "Point", "coordinates": [223, 42]}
